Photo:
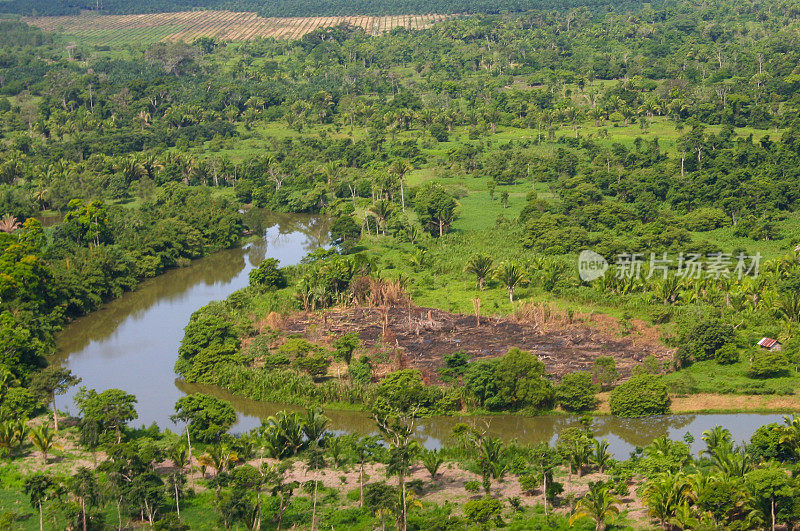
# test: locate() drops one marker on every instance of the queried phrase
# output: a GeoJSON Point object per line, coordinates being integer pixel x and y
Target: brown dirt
{"type": "Point", "coordinates": [418, 337]}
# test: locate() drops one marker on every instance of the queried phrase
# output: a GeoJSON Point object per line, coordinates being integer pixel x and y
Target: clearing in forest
{"type": "Point", "coordinates": [222, 25]}
{"type": "Point", "coordinates": [420, 337]}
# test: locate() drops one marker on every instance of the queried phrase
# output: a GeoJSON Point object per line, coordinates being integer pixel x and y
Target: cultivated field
{"type": "Point", "coordinates": [223, 25]}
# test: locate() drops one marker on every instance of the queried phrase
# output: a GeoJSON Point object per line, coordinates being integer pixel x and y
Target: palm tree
{"type": "Point", "coordinates": [715, 438]}
{"type": "Point", "coordinates": [8, 224]}
{"type": "Point", "coordinates": [601, 457]}
{"type": "Point", "coordinates": [598, 504]}
{"type": "Point", "coordinates": [44, 439]}
{"type": "Point", "coordinates": [222, 457]}
{"type": "Point", "coordinates": [432, 460]}
{"type": "Point", "coordinates": [489, 460]}
{"type": "Point", "coordinates": [314, 425]}
{"type": "Point", "coordinates": [665, 494]}
{"type": "Point", "coordinates": [511, 275]}
{"type": "Point", "coordinates": [481, 266]}
{"type": "Point", "coordinates": [400, 167]}
{"type": "Point", "coordinates": [179, 455]}
{"type": "Point", "coordinates": [381, 210]}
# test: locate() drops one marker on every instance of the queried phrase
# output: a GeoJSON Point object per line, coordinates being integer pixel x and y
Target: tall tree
{"type": "Point", "coordinates": [52, 381]}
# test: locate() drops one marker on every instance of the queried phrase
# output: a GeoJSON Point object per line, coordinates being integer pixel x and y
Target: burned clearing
{"type": "Point", "coordinates": [420, 337]}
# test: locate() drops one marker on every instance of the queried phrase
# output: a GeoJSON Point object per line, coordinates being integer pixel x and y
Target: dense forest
{"type": "Point", "coordinates": [463, 167]}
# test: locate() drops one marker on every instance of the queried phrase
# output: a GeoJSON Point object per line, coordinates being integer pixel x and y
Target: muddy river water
{"type": "Point", "coordinates": [132, 343]}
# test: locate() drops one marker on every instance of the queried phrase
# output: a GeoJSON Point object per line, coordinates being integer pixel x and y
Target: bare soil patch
{"type": "Point", "coordinates": [420, 337]}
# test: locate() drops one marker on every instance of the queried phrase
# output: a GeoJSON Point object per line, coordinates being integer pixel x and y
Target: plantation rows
{"type": "Point", "coordinates": [223, 25]}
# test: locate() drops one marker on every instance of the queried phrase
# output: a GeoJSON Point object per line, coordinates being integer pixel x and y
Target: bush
{"type": "Point", "coordinates": [484, 511]}
{"type": "Point", "coordinates": [769, 364]}
{"type": "Point", "coordinates": [472, 486]}
{"type": "Point", "coordinates": [604, 371]}
{"type": "Point", "coordinates": [576, 392]}
{"type": "Point", "coordinates": [641, 396]}
{"type": "Point", "coordinates": [704, 339]}
{"type": "Point", "coordinates": [727, 354]}
{"type": "Point", "coordinates": [316, 366]}
{"type": "Point", "coordinates": [704, 219]}
{"type": "Point", "coordinates": [268, 275]}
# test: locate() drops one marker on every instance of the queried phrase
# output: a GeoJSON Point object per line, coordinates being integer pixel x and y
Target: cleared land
{"type": "Point", "coordinates": [420, 337]}
{"type": "Point", "coordinates": [222, 25]}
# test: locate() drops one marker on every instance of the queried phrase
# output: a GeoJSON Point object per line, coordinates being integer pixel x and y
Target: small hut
{"type": "Point", "coordinates": [769, 344]}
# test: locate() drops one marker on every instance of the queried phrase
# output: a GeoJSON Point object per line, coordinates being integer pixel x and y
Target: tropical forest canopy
{"type": "Point", "coordinates": [463, 167]}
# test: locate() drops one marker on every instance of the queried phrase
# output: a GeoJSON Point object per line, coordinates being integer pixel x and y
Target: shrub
{"type": "Point", "coordinates": [641, 396]}
{"type": "Point", "coordinates": [704, 219]}
{"type": "Point", "coordinates": [316, 366]}
{"type": "Point", "coordinates": [576, 392]}
{"type": "Point", "coordinates": [769, 364]}
{"type": "Point", "coordinates": [472, 486]}
{"type": "Point", "coordinates": [727, 354]}
{"type": "Point", "coordinates": [346, 345]}
{"type": "Point", "coordinates": [268, 275]}
{"type": "Point", "coordinates": [704, 339]}
{"type": "Point", "coordinates": [484, 511]}
{"type": "Point", "coordinates": [604, 371]}
{"type": "Point", "coordinates": [360, 372]}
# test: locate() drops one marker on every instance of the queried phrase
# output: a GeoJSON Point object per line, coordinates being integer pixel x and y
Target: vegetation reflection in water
{"type": "Point", "coordinates": [623, 435]}
{"type": "Point", "coordinates": [131, 343]}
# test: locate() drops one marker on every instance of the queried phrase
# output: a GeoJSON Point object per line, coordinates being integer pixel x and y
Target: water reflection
{"type": "Point", "coordinates": [623, 435]}
{"type": "Point", "coordinates": [132, 342]}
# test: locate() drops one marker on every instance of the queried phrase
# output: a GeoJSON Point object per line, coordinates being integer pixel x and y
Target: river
{"type": "Point", "coordinates": [132, 342]}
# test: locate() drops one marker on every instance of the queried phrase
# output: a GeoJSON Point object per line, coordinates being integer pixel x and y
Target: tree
{"type": "Point", "coordinates": [768, 364]}
{"type": "Point", "coordinates": [511, 275]}
{"type": "Point", "coordinates": [38, 487]}
{"type": "Point", "coordinates": [600, 455]}
{"type": "Point", "coordinates": [316, 365]}
{"type": "Point", "coordinates": [518, 377]}
{"type": "Point", "coordinates": [206, 417]}
{"type": "Point", "coordinates": [400, 167]}
{"type": "Point", "coordinates": [344, 230]}
{"type": "Point", "coordinates": [665, 494]}
{"type": "Point", "coordinates": [112, 409]}
{"type": "Point", "coordinates": [44, 439]}
{"type": "Point", "coordinates": [315, 462]}
{"type": "Point", "coordinates": [480, 266]}
{"type": "Point", "coordinates": [365, 451]}
{"type": "Point", "coordinates": [268, 275]}
{"type": "Point", "coordinates": [490, 456]}
{"type": "Point", "coordinates": [345, 345]}
{"type": "Point", "coordinates": [598, 504]}
{"type": "Point", "coordinates": [83, 484]}
{"type": "Point", "coordinates": [773, 487]}
{"type": "Point", "coordinates": [381, 210]}
{"type": "Point", "coordinates": [404, 391]}
{"type": "Point", "coordinates": [435, 207]}
{"type": "Point", "coordinates": [641, 396]}
{"type": "Point", "coordinates": [52, 381]}
{"type": "Point", "coordinates": [396, 428]}
{"type": "Point", "coordinates": [545, 459]}
{"type": "Point", "coordinates": [604, 371]}
{"type": "Point", "coordinates": [576, 392]}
